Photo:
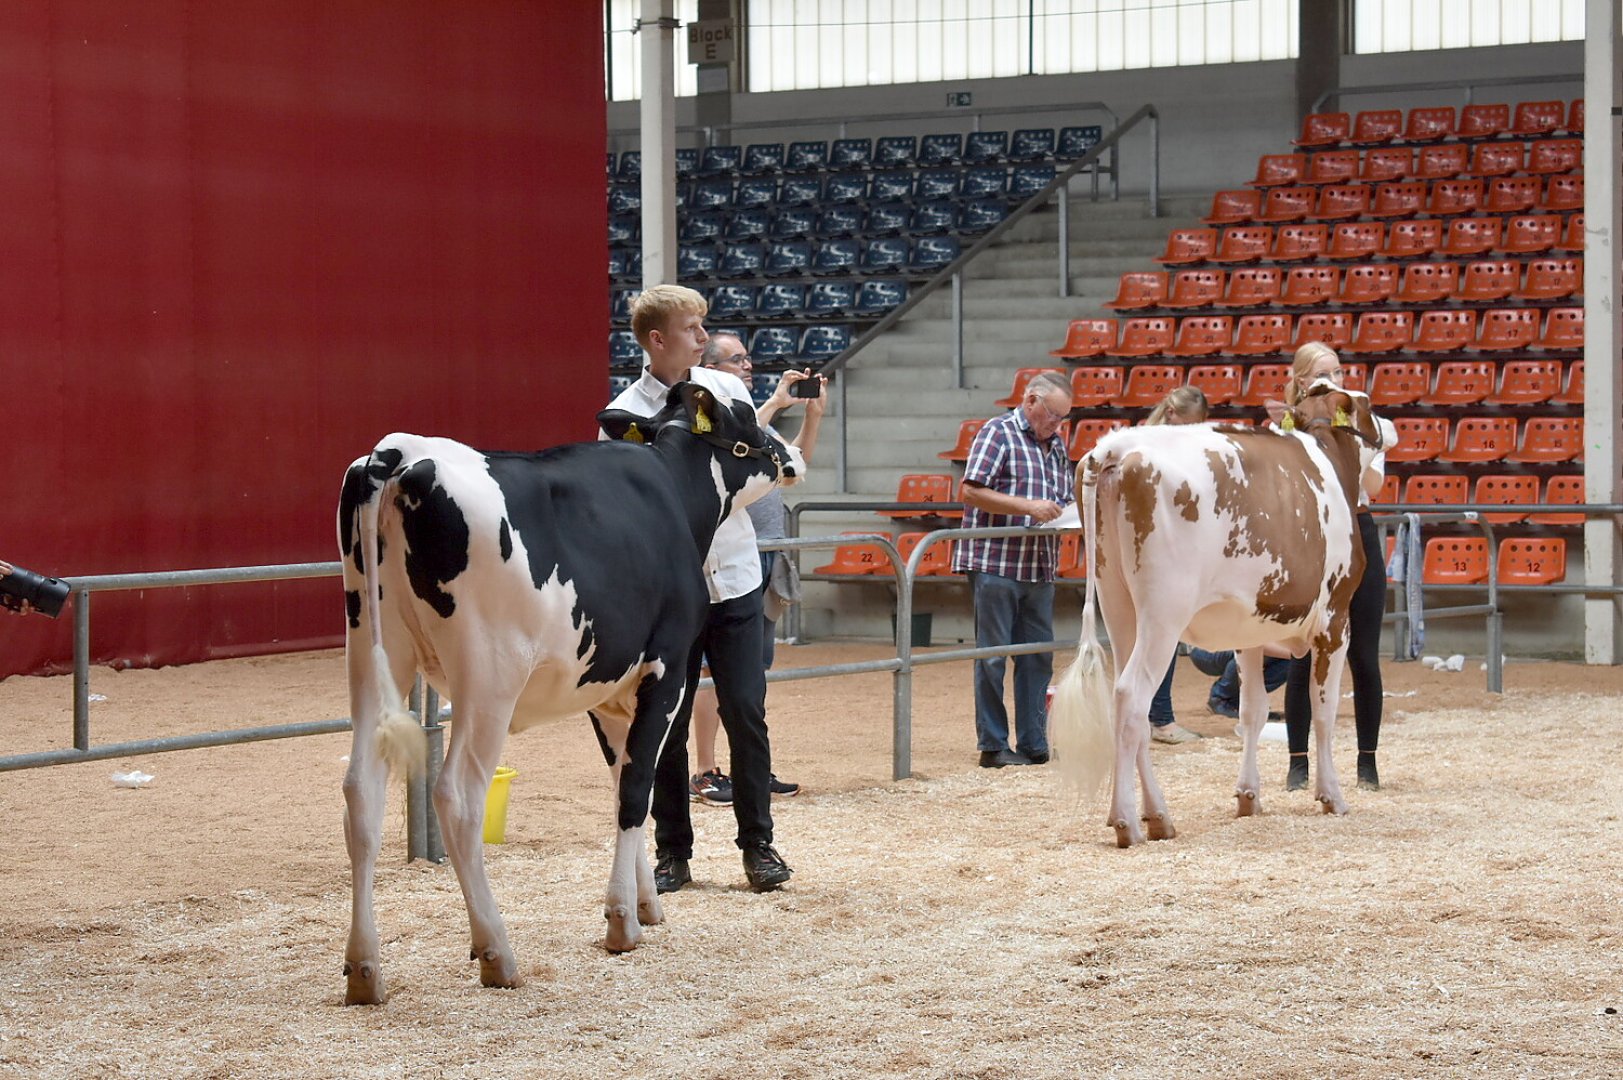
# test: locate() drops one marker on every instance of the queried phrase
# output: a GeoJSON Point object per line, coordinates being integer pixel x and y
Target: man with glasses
{"type": "Point", "coordinates": [1018, 473]}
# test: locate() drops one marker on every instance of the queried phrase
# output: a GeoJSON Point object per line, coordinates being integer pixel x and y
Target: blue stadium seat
{"type": "Point", "coordinates": [1027, 180]}
{"type": "Point", "coordinates": [884, 253]}
{"type": "Point", "coordinates": [712, 195]}
{"type": "Point", "coordinates": [630, 168]}
{"type": "Point", "coordinates": [984, 182]}
{"type": "Point", "coordinates": [895, 151]}
{"type": "Point", "coordinates": [619, 384]}
{"type": "Point", "coordinates": [684, 195]}
{"type": "Point", "coordinates": [940, 149]}
{"type": "Point", "coordinates": [851, 154]}
{"type": "Point", "coordinates": [687, 162]}
{"type": "Point", "coordinates": [773, 343]}
{"type": "Point", "coordinates": [838, 256]}
{"type": "Point", "coordinates": [763, 158]}
{"type": "Point", "coordinates": [625, 264]}
{"type": "Point", "coordinates": [880, 296]}
{"type": "Point", "coordinates": [806, 156]}
{"type": "Point", "coordinates": [733, 302]}
{"type": "Point", "coordinates": [623, 229]}
{"type": "Point", "coordinates": [891, 185]}
{"type": "Point", "coordinates": [752, 193]}
{"type": "Point", "coordinates": [935, 216]}
{"type": "Point", "coordinates": [761, 391]}
{"type": "Point", "coordinates": [845, 189]}
{"type": "Point", "coordinates": [623, 348]}
{"type": "Point", "coordinates": [824, 342]}
{"type": "Point", "coordinates": [839, 221]}
{"type": "Point", "coordinates": [886, 219]}
{"type": "Point", "coordinates": [625, 199]}
{"type": "Point", "coordinates": [1032, 144]}
{"type": "Point", "coordinates": [936, 184]}
{"type": "Point", "coordinates": [742, 260]}
{"type": "Point", "coordinates": [702, 227]}
{"type": "Point", "coordinates": [794, 223]}
{"type": "Point", "coordinates": [788, 257]}
{"type": "Point", "coordinates": [609, 166]}
{"type": "Point", "coordinates": [720, 160]}
{"type": "Point", "coordinates": [800, 191]}
{"type": "Point", "coordinates": [697, 260]}
{"type": "Point", "coordinates": [749, 224]}
{"type": "Point", "coordinates": [986, 147]}
{"type": "Point", "coordinates": [781, 301]}
{"type": "Point", "coordinates": [620, 305]}
{"type": "Point", "coordinates": [931, 253]}
{"type": "Point", "coordinates": [828, 298]}
{"type": "Point", "coordinates": [980, 215]}
{"type": "Point", "coordinates": [1076, 141]}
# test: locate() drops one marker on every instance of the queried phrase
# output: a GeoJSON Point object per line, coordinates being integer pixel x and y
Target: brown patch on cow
{"type": "Point", "coordinates": [1186, 500]}
{"type": "Point", "coordinates": [1139, 489]}
{"type": "Point", "coordinates": [1275, 510]}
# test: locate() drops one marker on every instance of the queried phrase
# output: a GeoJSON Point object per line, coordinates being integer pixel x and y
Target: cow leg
{"type": "Point", "coordinates": [1140, 675]}
{"type": "Point", "coordinates": [632, 901]}
{"type": "Point", "coordinates": [477, 736]}
{"type": "Point", "coordinates": [1253, 714]}
{"type": "Point", "coordinates": [1326, 703]}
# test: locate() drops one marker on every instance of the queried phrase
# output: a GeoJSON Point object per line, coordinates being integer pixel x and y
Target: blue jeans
{"type": "Point", "coordinates": [1275, 670]}
{"type": "Point", "coordinates": [1010, 612]}
{"type": "Point", "coordinates": [1161, 703]}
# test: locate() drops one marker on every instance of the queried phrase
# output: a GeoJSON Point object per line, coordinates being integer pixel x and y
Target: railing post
{"type": "Point", "coordinates": [81, 668]}
{"type": "Point", "coordinates": [417, 788]}
{"type": "Point", "coordinates": [842, 442]}
{"type": "Point", "coordinates": [1064, 195]}
{"type": "Point", "coordinates": [958, 329]}
{"type": "Point", "coordinates": [901, 723]}
{"type": "Point", "coordinates": [433, 844]}
{"type": "Point", "coordinates": [1155, 165]}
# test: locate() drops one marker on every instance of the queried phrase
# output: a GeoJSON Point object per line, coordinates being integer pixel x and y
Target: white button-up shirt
{"type": "Point", "coordinates": [732, 567]}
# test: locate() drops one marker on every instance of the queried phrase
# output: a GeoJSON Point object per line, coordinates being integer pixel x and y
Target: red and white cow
{"type": "Point", "coordinates": [1227, 538]}
{"type": "Point", "coordinates": [526, 588]}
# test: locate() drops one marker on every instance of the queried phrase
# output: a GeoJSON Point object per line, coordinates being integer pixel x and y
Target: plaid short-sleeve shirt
{"type": "Point", "coordinates": [1008, 458]}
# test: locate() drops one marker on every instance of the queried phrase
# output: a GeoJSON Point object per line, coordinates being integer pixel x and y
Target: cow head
{"type": "Point", "coordinates": [1327, 405]}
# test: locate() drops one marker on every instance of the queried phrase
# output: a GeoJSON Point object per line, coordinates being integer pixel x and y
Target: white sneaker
{"type": "Point", "coordinates": [1173, 733]}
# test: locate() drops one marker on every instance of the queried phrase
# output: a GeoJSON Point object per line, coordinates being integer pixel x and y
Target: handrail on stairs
{"type": "Point", "coordinates": [953, 271]}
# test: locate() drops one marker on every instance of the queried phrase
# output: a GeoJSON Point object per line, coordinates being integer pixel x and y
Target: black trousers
{"type": "Point", "coordinates": [1363, 654]}
{"type": "Point", "coordinates": [731, 640]}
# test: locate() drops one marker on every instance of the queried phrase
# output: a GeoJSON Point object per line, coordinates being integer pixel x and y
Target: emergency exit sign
{"type": "Point", "coordinates": [710, 42]}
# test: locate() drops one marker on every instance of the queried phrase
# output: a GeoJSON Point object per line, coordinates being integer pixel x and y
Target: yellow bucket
{"type": "Point", "coordinates": [496, 805]}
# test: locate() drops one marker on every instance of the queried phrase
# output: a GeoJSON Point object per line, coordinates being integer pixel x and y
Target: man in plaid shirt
{"type": "Point", "coordinates": [1018, 474]}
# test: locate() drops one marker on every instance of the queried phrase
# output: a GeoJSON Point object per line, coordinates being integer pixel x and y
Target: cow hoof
{"type": "Point", "coordinates": [650, 913]}
{"type": "Point", "coordinates": [1337, 805]}
{"type": "Point", "coordinates": [498, 971]}
{"type": "Point", "coordinates": [624, 933]}
{"type": "Point", "coordinates": [364, 984]}
{"type": "Point", "coordinates": [1248, 804]}
{"type": "Point", "coordinates": [1160, 828]}
{"type": "Point", "coordinates": [1127, 833]}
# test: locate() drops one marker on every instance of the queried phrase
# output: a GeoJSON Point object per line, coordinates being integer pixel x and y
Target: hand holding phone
{"type": "Point", "coordinates": [809, 387]}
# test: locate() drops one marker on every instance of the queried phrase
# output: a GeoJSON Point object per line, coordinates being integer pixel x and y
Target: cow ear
{"type": "Point", "coordinates": [701, 408]}
{"type": "Point", "coordinates": [623, 426]}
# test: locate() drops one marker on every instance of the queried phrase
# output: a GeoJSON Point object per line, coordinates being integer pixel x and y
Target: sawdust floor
{"type": "Point", "coordinates": [1464, 921]}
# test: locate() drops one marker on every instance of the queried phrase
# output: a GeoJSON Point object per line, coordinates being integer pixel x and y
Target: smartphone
{"type": "Point", "coordinates": [807, 388]}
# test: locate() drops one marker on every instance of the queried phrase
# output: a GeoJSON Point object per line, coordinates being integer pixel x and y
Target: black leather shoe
{"type": "Point", "coordinates": [765, 868]}
{"type": "Point", "coordinates": [1369, 777]}
{"type": "Point", "coordinates": [1039, 758]}
{"type": "Point", "coordinates": [1296, 774]}
{"type": "Point", "coordinates": [996, 759]}
{"type": "Point", "coordinates": [670, 873]}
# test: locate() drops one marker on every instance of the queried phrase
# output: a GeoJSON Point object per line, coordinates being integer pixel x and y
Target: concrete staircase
{"type": "Point", "coordinates": [904, 406]}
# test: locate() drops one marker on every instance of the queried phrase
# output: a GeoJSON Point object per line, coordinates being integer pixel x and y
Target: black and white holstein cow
{"type": "Point", "coordinates": [1227, 538]}
{"type": "Point", "coordinates": [526, 588]}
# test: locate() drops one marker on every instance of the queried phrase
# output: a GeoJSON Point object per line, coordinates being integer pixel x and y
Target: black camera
{"type": "Point", "coordinates": [810, 387]}
{"type": "Point", "coordinates": [46, 594]}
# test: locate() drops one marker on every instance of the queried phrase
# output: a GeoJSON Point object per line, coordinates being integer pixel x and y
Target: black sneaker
{"type": "Point", "coordinates": [714, 787]}
{"type": "Point", "coordinates": [783, 787]}
{"type": "Point", "coordinates": [764, 868]}
{"type": "Point", "coordinates": [670, 873]}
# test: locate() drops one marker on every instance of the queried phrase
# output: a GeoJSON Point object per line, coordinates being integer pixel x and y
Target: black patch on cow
{"type": "Point", "coordinates": [602, 743]}
{"type": "Point", "coordinates": [352, 604]}
{"type": "Point", "coordinates": [506, 540]}
{"type": "Point", "coordinates": [436, 535]}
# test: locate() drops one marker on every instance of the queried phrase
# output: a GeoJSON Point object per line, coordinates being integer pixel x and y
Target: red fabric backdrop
{"type": "Point", "coordinates": [240, 243]}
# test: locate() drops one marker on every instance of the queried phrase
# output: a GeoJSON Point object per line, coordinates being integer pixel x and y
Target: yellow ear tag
{"type": "Point", "coordinates": [1342, 419]}
{"type": "Point", "coordinates": [633, 435]}
{"type": "Point", "coordinates": [1288, 423]}
{"type": "Point", "coordinates": [701, 423]}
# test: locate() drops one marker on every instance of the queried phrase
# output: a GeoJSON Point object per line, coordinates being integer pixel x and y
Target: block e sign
{"type": "Point", "coordinates": [710, 42]}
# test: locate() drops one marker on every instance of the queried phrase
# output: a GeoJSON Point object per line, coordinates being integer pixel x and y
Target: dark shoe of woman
{"type": "Point", "coordinates": [1369, 778]}
{"type": "Point", "coordinates": [1296, 775]}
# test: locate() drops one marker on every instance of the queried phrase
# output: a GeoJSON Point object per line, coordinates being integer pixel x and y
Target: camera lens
{"type": "Point", "coordinates": [46, 594]}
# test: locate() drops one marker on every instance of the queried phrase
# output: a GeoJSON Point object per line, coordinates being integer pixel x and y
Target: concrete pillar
{"type": "Point", "coordinates": [713, 107]}
{"type": "Point", "coordinates": [1603, 104]}
{"type": "Point", "coordinates": [1321, 39]}
{"type": "Point", "coordinates": [658, 116]}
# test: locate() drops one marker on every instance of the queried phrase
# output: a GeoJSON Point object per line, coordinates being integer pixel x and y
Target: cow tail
{"type": "Point", "coordinates": [400, 738]}
{"type": "Point", "coordinates": [1079, 718]}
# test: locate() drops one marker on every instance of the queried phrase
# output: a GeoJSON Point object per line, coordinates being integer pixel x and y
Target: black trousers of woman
{"type": "Point", "coordinates": [1363, 655]}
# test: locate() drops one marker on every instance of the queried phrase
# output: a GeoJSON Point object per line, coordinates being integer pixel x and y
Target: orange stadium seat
{"type": "Point", "coordinates": [1527, 382]}
{"type": "Point", "coordinates": [1086, 433]}
{"type": "Point", "coordinates": [1339, 202]}
{"type": "Point", "coordinates": [1531, 234]}
{"type": "Point", "coordinates": [1413, 239]}
{"type": "Point", "coordinates": [1147, 335]}
{"type": "Point", "coordinates": [1566, 490]}
{"type": "Point", "coordinates": [1386, 497]}
{"type": "Point", "coordinates": [1324, 129]}
{"type": "Point", "coordinates": [1186, 246]}
{"type": "Point", "coordinates": [1572, 240]}
{"type": "Point", "coordinates": [1382, 331]}
{"type": "Point", "coordinates": [1563, 193]}
{"type": "Point", "coordinates": [937, 561]}
{"type": "Point", "coordinates": [1333, 167]}
{"type": "Point", "coordinates": [1512, 194]}
{"type": "Point", "coordinates": [1086, 338]}
{"type": "Point", "coordinates": [923, 488]}
{"type": "Point", "coordinates": [1265, 383]}
{"type": "Point", "coordinates": [1399, 382]}
{"type": "Point", "coordinates": [1386, 163]}
{"type": "Point", "coordinates": [1441, 162]}
{"type": "Point", "coordinates": [1507, 329]}
{"type": "Point", "coordinates": [1093, 386]}
{"type": "Point", "coordinates": [1334, 328]}
{"type": "Point", "coordinates": [1428, 282]}
{"type": "Point", "coordinates": [1427, 490]}
{"type": "Point", "coordinates": [1451, 197]}
{"type": "Point", "coordinates": [1398, 199]}
{"type": "Point", "coordinates": [1547, 439]}
{"type": "Point", "coordinates": [1196, 288]}
{"type": "Point", "coordinates": [1563, 330]}
{"type": "Point", "coordinates": [1229, 207]}
{"type": "Point", "coordinates": [1469, 236]}
{"type": "Point", "coordinates": [1275, 169]}
{"type": "Point", "coordinates": [1305, 285]}
{"type": "Point", "coordinates": [1532, 560]}
{"type": "Point", "coordinates": [1071, 566]}
{"type": "Point", "coordinates": [1147, 384]}
{"type": "Point", "coordinates": [1376, 126]}
{"type": "Point", "coordinates": [1022, 377]}
{"type": "Point", "coordinates": [1575, 118]}
{"type": "Point", "coordinates": [1497, 158]}
{"type": "Point", "coordinates": [1489, 279]}
{"type": "Point", "coordinates": [1508, 490]}
{"type": "Point", "coordinates": [1203, 335]}
{"type": "Point", "coordinates": [1538, 118]}
{"type": "Point", "coordinates": [1369, 283]}
{"type": "Point", "coordinates": [1220, 383]}
{"type": "Point", "coordinates": [1297, 243]}
{"type": "Point", "coordinates": [1455, 560]}
{"type": "Point", "coordinates": [855, 559]}
{"type": "Point", "coordinates": [1261, 335]}
{"type": "Point", "coordinates": [966, 438]}
{"type": "Point", "coordinates": [1138, 289]}
{"type": "Point", "coordinates": [1355, 376]}
{"type": "Point", "coordinates": [1356, 240]}
{"type": "Point", "coordinates": [1573, 393]}
{"type": "Point", "coordinates": [1555, 156]}
{"type": "Point", "coordinates": [1483, 121]}
{"type": "Point", "coordinates": [1460, 382]}
{"type": "Point", "coordinates": [1429, 124]}
{"type": "Point", "coordinates": [1420, 438]}
{"type": "Point", "coordinates": [1244, 243]}
{"type": "Point", "coordinates": [1287, 204]}
{"type": "Point", "coordinates": [1253, 286]}
{"type": "Point", "coordinates": [1552, 279]}
{"type": "Point", "coordinates": [1448, 330]}
{"type": "Point", "coordinates": [1481, 438]}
